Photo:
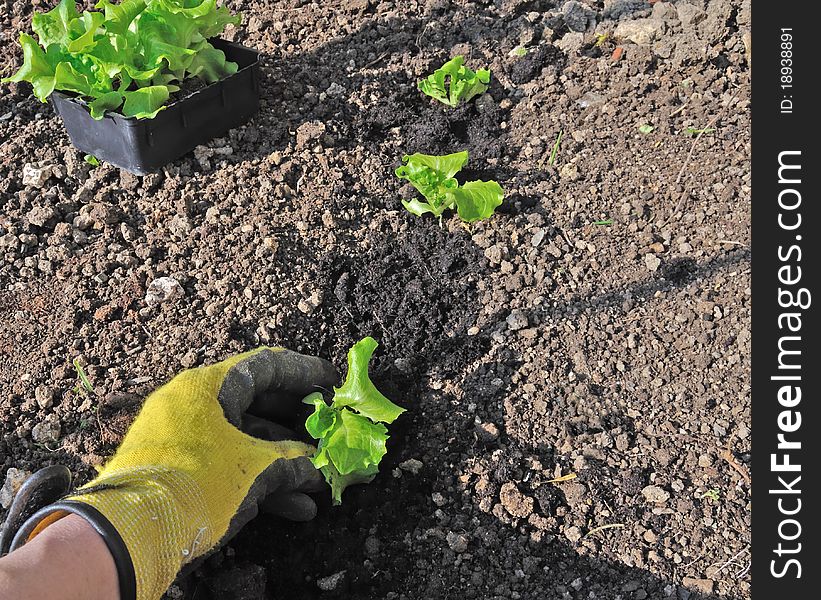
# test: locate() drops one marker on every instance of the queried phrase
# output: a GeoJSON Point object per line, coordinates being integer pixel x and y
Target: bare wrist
{"type": "Point", "coordinates": [68, 558]}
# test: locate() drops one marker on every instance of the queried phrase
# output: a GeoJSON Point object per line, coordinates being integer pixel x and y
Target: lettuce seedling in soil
{"type": "Point", "coordinates": [351, 431]}
{"type": "Point", "coordinates": [130, 56]}
{"type": "Point", "coordinates": [433, 177]}
{"type": "Point", "coordinates": [453, 82]}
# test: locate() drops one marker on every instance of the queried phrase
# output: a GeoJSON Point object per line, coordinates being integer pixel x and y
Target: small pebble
{"type": "Point", "coordinates": [655, 494]}
{"type": "Point", "coordinates": [652, 262]}
{"type": "Point", "coordinates": [163, 289]}
{"type": "Point", "coordinates": [330, 583]}
{"type": "Point", "coordinates": [702, 586]}
{"type": "Point", "coordinates": [14, 479]}
{"type": "Point", "coordinates": [487, 432]}
{"type": "Point", "coordinates": [46, 432]}
{"type": "Point", "coordinates": [35, 176]}
{"type": "Point", "coordinates": [574, 534]}
{"type": "Point", "coordinates": [412, 466]}
{"type": "Point", "coordinates": [457, 542]}
{"type": "Point", "coordinates": [516, 320]}
{"type": "Point", "coordinates": [44, 396]}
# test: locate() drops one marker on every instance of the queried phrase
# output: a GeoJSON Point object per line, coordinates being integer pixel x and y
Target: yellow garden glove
{"type": "Point", "coordinates": [187, 477]}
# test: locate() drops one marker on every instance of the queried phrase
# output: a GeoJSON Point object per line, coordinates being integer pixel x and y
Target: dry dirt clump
{"type": "Point", "coordinates": [596, 327]}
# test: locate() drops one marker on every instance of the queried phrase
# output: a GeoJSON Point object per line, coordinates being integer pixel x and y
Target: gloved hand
{"type": "Point", "coordinates": [186, 478]}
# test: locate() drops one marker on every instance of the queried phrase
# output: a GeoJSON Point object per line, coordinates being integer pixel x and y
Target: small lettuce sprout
{"type": "Point", "coordinates": [453, 82]}
{"type": "Point", "coordinates": [351, 431]}
{"type": "Point", "coordinates": [433, 177]}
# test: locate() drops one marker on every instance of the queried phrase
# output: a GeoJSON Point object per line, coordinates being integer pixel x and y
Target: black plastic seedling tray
{"type": "Point", "coordinates": [145, 145]}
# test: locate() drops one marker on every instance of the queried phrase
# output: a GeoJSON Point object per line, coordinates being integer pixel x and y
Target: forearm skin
{"type": "Point", "coordinates": [67, 561]}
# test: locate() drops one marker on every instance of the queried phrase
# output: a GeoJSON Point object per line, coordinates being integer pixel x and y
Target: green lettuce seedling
{"type": "Point", "coordinates": [351, 431]}
{"type": "Point", "coordinates": [130, 56]}
{"type": "Point", "coordinates": [433, 177]}
{"type": "Point", "coordinates": [453, 82]}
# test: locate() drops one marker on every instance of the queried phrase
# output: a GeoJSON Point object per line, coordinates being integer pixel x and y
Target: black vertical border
{"type": "Point", "coordinates": [773, 132]}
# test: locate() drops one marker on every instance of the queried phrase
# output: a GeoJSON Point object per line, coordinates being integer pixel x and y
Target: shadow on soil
{"type": "Point", "coordinates": [426, 126]}
{"type": "Point", "coordinates": [405, 290]}
{"type": "Point", "coordinates": [417, 293]}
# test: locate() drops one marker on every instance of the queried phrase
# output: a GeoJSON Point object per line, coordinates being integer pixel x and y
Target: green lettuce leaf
{"type": "Point", "coordinates": [445, 166]}
{"type": "Point", "coordinates": [106, 102]}
{"type": "Point", "coordinates": [131, 53]}
{"type": "Point", "coordinates": [66, 77]}
{"type": "Point", "coordinates": [140, 77]}
{"type": "Point", "coordinates": [433, 177]}
{"type": "Point", "coordinates": [146, 102]}
{"type": "Point", "coordinates": [120, 16]}
{"type": "Point", "coordinates": [477, 200]}
{"type": "Point", "coordinates": [210, 65]}
{"type": "Point", "coordinates": [359, 393]}
{"type": "Point", "coordinates": [350, 447]}
{"type": "Point", "coordinates": [417, 207]}
{"type": "Point", "coordinates": [322, 420]}
{"type": "Point", "coordinates": [160, 42]}
{"type": "Point", "coordinates": [108, 55]}
{"type": "Point", "coordinates": [217, 21]}
{"type": "Point", "coordinates": [453, 82]}
{"type": "Point", "coordinates": [83, 32]}
{"type": "Point", "coordinates": [43, 87]}
{"type": "Point", "coordinates": [354, 443]}
{"type": "Point", "coordinates": [350, 431]}
{"type": "Point", "coordinates": [36, 69]}
{"type": "Point", "coordinates": [52, 27]}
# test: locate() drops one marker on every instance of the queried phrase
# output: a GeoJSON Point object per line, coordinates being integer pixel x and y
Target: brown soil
{"type": "Point", "coordinates": [534, 345]}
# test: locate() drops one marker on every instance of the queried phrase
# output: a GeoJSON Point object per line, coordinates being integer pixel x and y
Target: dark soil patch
{"type": "Point", "coordinates": [535, 345]}
{"type": "Point", "coordinates": [187, 87]}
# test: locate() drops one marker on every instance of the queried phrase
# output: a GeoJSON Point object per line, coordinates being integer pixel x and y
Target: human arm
{"type": "Point", "coordinates": [69, 561]}
{"type": "Point", "coordinates": [198, 463]}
